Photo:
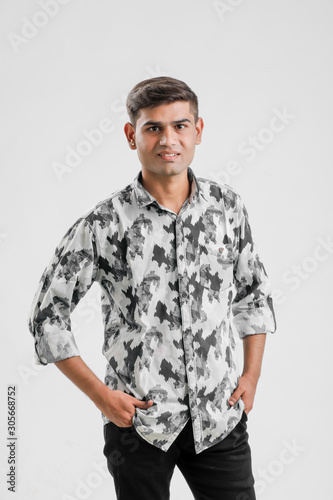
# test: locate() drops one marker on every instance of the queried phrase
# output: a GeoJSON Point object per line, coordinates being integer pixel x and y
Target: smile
{"type": "Point", "coordinates": [168, 155]}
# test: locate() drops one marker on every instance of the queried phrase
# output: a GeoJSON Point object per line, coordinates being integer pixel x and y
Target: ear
{"type": "Point", "coordinates": [130, 135]}
{"type": "Point", "coordinates": [199, 128]}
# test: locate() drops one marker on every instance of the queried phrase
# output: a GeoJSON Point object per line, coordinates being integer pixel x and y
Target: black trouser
{"type": "Point", "coordinates": [142, 471]}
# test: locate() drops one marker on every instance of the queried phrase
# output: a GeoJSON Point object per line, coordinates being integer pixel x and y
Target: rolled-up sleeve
{"type": "Point", "coordinates": [68, 276]}
{"type": "Point", "coordinates": [252, 305]}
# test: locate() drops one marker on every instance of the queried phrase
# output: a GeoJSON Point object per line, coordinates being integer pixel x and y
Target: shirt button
{"type": "Point", "coordinates": [190, 369]}
{"type": "Point", "coordinates": [184, 294]}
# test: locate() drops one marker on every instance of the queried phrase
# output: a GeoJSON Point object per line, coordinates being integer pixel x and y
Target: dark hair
{"type": "Point", "coordinates": [159, 90]}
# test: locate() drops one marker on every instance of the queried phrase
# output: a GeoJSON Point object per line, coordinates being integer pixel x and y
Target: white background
{"type": "Point", "coordinates": [247, 61]}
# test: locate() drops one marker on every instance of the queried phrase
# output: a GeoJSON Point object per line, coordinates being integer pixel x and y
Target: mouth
{"type": "Point", "coordinates": [166, 155]}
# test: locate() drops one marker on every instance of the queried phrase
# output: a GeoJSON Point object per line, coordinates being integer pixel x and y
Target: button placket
{"type": "Point", "coordinates": [184, 299]}
{"type": "Point", "coordinates": [180, 260]}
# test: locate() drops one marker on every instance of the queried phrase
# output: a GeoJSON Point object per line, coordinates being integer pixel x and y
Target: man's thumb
{"type": "Point", "coordinates": [143, 404]}
{"type": "Point", "coordinates": [235, 397]}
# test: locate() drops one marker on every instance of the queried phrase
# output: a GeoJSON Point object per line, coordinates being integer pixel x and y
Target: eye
{"type": "Point", "coordinates": [180, 126]}
{"type": "Point", "coordinates": [154, 128]}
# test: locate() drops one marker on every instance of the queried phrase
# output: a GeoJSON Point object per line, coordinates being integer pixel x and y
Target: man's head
{"type": "Point", "coordinates": [164, 127]}
{"type": "Point", "coordinates": [156, 91]}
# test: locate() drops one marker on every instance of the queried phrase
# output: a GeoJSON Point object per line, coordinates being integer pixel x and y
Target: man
{"type": "Point", "coordinates": [174, 256]}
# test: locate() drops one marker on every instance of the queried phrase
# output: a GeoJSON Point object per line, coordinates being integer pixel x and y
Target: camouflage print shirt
{"type": "Point", "coordinates": [174, 288]}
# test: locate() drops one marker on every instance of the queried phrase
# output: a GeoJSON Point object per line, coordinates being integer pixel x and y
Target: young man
{"type": "Point", "coordinates": [174, 256]}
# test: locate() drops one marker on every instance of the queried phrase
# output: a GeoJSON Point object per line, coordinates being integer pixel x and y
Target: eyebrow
{"type": "Point", "coordinates": [158, 124]}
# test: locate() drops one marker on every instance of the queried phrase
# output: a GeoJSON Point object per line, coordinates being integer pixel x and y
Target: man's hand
{"type": "Point", "coordinates": [245, 390]}
{"type": "Point", "coordinates": [253, 346]}
{"type": "Point", "coordinates": [119, 407]}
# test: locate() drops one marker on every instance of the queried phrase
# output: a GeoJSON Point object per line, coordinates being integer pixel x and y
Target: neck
{"type": "Point", "coordinates": [170, 191]}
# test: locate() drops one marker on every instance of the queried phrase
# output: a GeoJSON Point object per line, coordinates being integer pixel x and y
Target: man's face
{"type": "Point", "coordinates": [165, 137]}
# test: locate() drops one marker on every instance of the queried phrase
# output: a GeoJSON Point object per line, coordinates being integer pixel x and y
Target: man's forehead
{"type": "Point", "coordinates": [173, 111]}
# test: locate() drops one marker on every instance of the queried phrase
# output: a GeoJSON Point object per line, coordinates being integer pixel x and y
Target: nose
{"type": "Point", "coordinates": [168, 137]}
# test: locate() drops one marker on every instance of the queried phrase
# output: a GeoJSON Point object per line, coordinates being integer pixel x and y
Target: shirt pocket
{"type": "Point", "coordinates": [216, 266]}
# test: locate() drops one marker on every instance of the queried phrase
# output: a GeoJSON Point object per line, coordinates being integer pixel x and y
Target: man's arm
{"type": "Point", "coordinates": [253, 346]}
{"type": "Point", "coordinates": [252, 306]}
{"type": "Point", "coordinates": [117, 406]}
{"type": "Point", "coordinates": [68, 276]}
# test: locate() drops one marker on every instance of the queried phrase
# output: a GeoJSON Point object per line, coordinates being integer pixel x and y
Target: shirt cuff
{"type": "Point", "coordinates": [260, 318]}
{"type": "Point", "coordinates": [54, 346]}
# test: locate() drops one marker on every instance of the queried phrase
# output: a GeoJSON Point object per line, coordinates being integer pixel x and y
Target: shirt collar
{"type": "Point", "coordinates": [145, 198]}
